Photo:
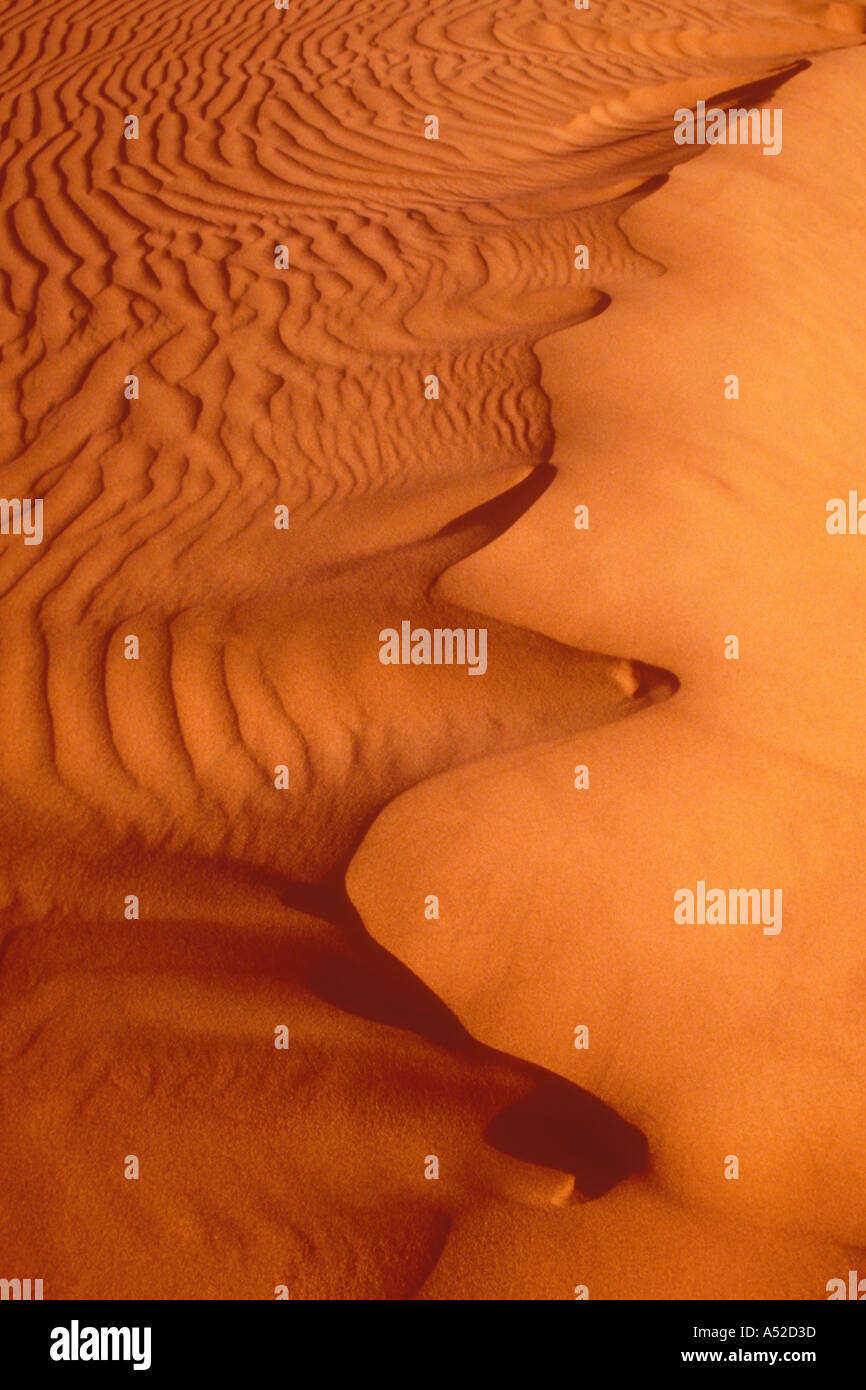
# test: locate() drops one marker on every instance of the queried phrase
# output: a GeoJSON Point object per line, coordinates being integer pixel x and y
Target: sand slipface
{"type": "Point", "coordinates": [272, 286]}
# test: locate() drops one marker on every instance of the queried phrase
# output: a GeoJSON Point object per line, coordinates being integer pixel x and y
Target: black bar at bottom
{"type": "Point", "coordinates": [160, 1338]}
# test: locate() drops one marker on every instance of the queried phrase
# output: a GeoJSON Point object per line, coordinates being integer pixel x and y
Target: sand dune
{"type": "Point", "coordinates": [244, 308]}
{"type": "Point", "coordinates": [708, 519]}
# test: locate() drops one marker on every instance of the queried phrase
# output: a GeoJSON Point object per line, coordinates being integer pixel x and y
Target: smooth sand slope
{"type": "Point", "coordinates": [707, 520]}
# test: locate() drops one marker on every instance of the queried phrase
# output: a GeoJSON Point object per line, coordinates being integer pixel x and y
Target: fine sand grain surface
{"type": "Point", "coordinates": [286, 372]}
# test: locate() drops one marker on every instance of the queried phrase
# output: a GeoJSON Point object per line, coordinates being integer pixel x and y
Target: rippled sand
{"type": "Point", "coordinates": [304, 387]}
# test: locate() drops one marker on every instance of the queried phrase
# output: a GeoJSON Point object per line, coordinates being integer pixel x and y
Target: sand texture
{"type": "Point", "coordinates": [295, 347]}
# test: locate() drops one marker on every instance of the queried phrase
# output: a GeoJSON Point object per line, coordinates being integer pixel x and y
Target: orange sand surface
{"type": "Point", "coordinates": [279, 804]}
